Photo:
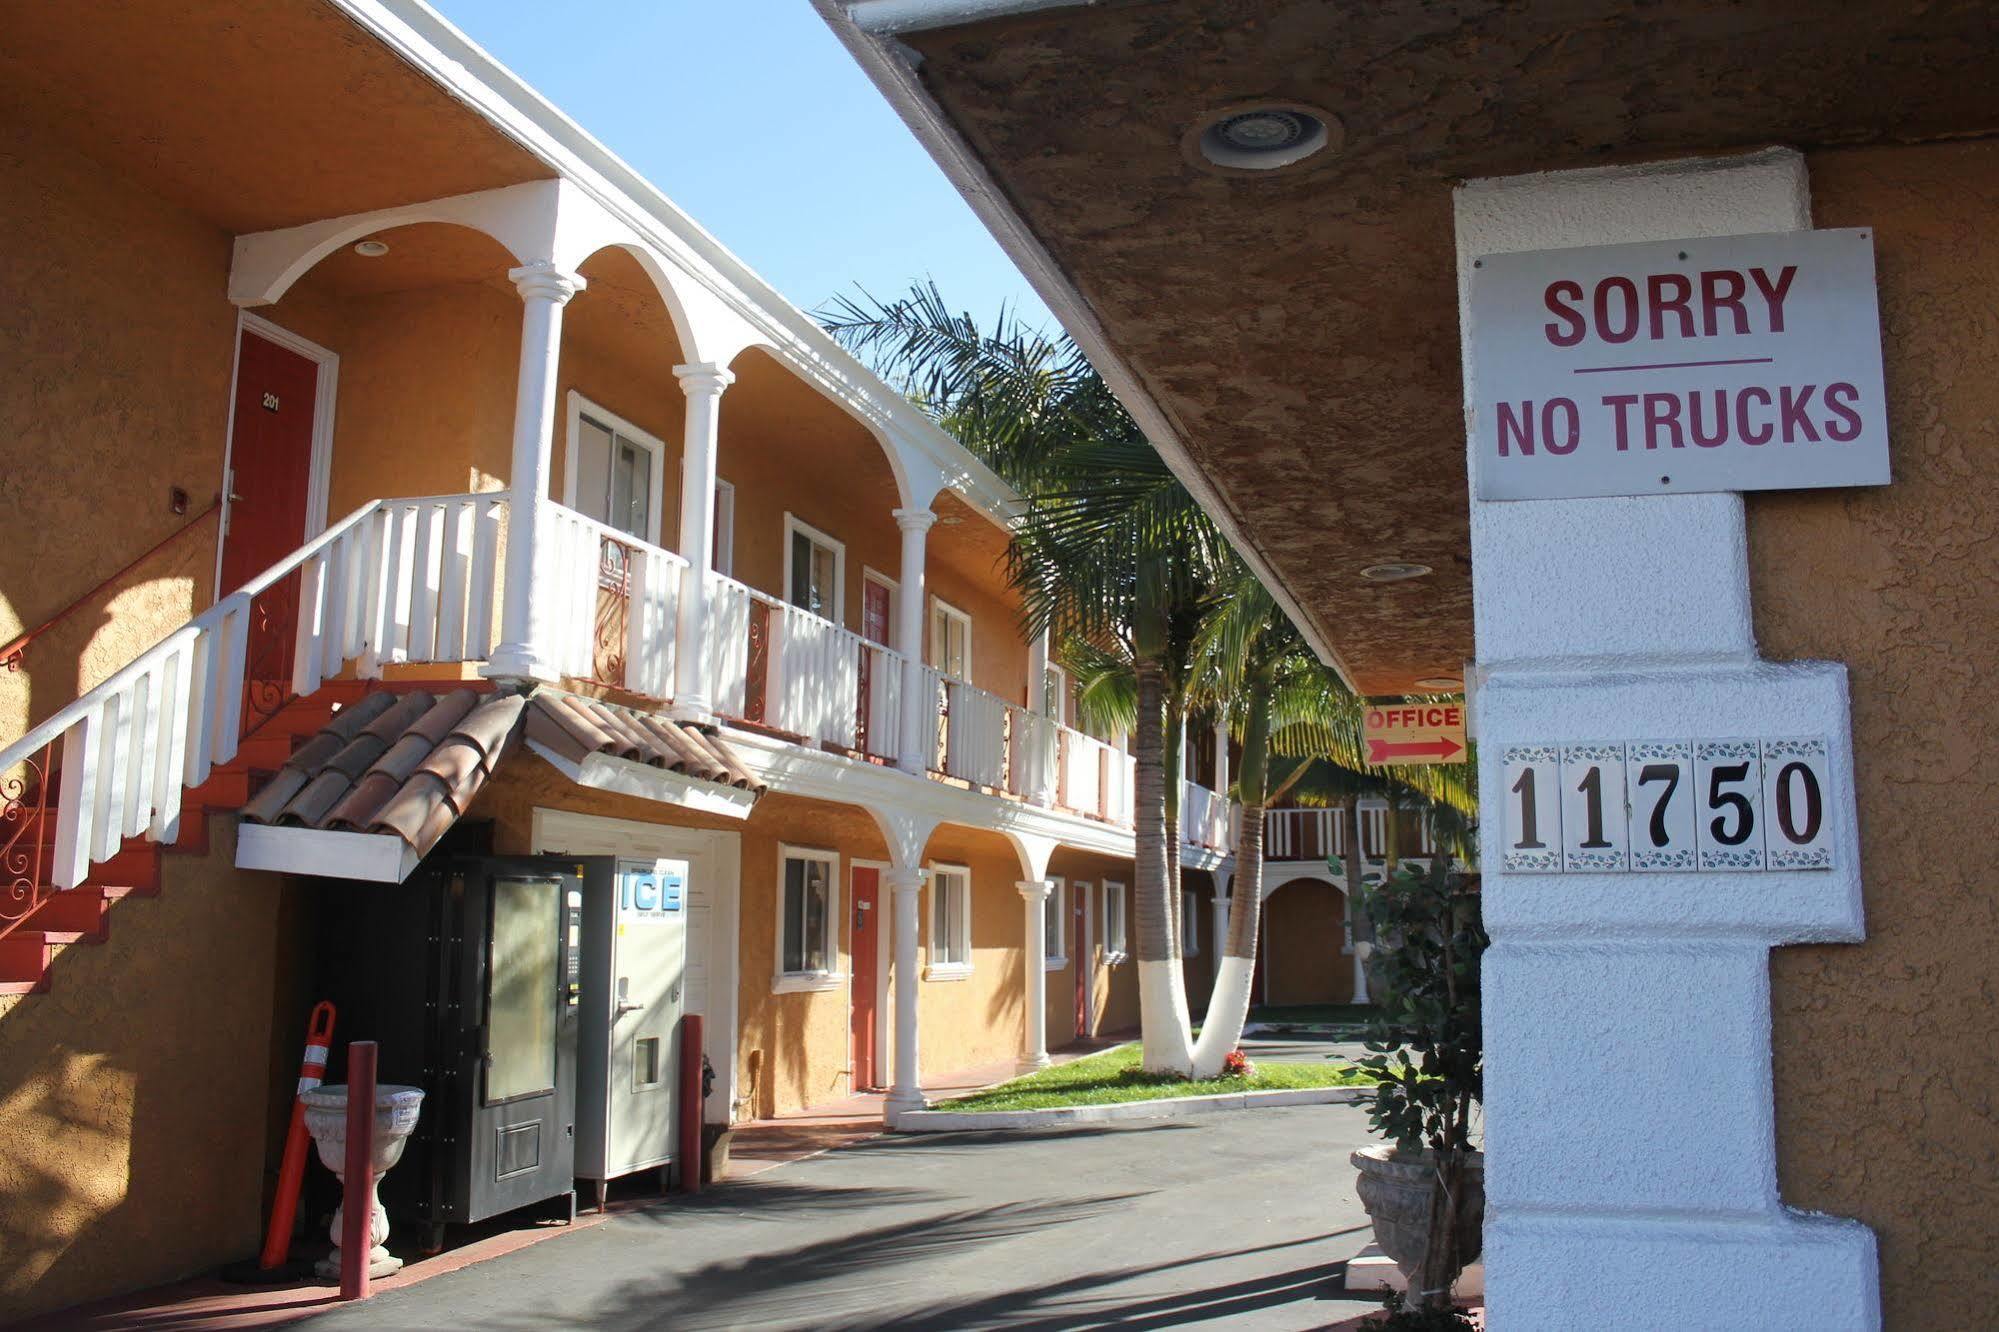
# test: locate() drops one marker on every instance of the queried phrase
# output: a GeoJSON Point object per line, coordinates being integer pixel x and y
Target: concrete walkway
{"type": "Point", "coordinates": [1240, 1221]}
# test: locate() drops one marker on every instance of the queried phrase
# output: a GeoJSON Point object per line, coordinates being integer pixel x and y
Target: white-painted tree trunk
{"type": "Point", "coordinates": [1163, 991]}
{"type": "Point", "coordinates": [1228, 1009]}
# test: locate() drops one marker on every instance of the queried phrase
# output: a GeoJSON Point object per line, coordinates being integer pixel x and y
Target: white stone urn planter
{"type": "Point", "coordinates": [396, 1110]}
{"type": "Point", "coordinates": [1394, 1187]}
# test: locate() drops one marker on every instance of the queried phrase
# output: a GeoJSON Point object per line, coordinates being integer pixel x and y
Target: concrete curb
{"type": "Point", "coordinates": [1175, 1107]}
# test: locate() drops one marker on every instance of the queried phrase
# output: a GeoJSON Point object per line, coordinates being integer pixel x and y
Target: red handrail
{"type": "Point", "coordinates": [11, 654]}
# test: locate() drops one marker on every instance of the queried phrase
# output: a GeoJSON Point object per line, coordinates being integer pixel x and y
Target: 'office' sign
{"type": "Point", "coordinates": [1733, 363]}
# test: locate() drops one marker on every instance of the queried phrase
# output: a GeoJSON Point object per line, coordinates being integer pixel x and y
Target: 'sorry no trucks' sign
{"type": "Point", "coordinates": [1731, 363]}
{"type": "Point", "coordinates": [1406, 733]}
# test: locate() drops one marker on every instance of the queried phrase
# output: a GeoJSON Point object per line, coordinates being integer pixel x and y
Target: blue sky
{"type": "Point", "coordinates": [755, 120]}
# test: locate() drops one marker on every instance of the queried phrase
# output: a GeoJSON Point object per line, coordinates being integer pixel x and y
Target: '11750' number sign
{"type": "Point", "coordinates": [1666, 805]}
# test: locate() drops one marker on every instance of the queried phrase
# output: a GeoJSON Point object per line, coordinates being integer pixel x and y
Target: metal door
{"type": "Point", "coordinates": [526, 973]}
{"type": "Point", "coordinates": [648, 974]}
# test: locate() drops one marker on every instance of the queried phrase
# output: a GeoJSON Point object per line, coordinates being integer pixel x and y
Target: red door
{"type": "Point", "coordinates": [866, 947]}
{"type": "Point", "coordinates": [1079, 954]}
{"type": "Point", "coordinates": [875, 628]}
{"type": "Point", "coordinates": [270, 473]}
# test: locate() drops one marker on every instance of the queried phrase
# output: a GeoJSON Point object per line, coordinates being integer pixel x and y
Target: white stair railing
{"type": "Point", "coordinates": [394, 580]}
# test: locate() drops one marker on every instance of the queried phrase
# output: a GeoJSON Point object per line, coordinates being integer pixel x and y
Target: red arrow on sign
{"type": "Point", "coordinates": [1383, 751]}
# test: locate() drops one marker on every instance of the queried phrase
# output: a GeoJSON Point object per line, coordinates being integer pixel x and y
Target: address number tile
{"type": "Point", "coordinates": [1797, 829]}
{"type": "Point", "coordinates": [1728, 795]}
{"type": "Point", "coordinates": [1659, 782]}
{"type": "Point", "coordinates": [1533, 809]}
{"type": "Point", "coordinates": [1593, 812]}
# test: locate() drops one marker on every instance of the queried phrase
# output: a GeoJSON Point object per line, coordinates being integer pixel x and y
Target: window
{"type": "Point", "coordinates": [950, 923]}
{"type": "Point", "coordinates": [613, 471]}
{"type": "Point", "coordinates": [1055, 694]}
{"type": "Point", "coordinates": [815, 570]}
{"type": "Point", "coordinates": [522, 964]}
{"type": "Point", "coordinates": [1055, 925]}
{"type": "Point", "coordinates": [950, 639]}
{"type": "Point", "coordinates": [723, 557]}
{"type": "Point", "coordinates": [1114, 941]}
{"type": "Point", "coordinates": [1190, 925]}
{"type": "Point", "coordinates": [808, 909]}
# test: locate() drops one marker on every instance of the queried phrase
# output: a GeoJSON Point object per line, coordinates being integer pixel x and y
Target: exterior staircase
{"type": "Point", "coordinates": [82, 915]}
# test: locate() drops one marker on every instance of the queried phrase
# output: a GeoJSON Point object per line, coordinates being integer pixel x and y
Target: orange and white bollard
{"type": "Point", "coordinates": [291, 1173]}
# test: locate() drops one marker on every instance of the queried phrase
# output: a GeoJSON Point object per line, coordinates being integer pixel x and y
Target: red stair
{"type": "Point", "coordinates": [83, 913]}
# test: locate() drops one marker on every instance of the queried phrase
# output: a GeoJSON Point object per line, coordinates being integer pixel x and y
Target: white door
{"type": "Point", "coordinates": [713, 876]}
{"type": "Point", "coordinates": [648, 987]}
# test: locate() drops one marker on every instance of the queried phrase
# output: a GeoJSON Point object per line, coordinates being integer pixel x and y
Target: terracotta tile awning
{"type": "Point", "coordinates": [574, 728]}
{"type": "Point", "coordinates": [408, 765]}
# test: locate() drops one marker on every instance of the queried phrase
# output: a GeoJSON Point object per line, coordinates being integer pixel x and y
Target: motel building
{"type": "Point", "coordinates": [448, 582]}
{"type": "Point", "coordinates": [1634, 364]}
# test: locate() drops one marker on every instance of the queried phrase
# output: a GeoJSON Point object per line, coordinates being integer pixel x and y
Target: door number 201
{"type": "Point", "coordinates": [1665, 805]}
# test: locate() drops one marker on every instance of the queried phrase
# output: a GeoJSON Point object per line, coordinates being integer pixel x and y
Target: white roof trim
{"type": "Point", "coordinates": [605, 772]}
{"type": "Point", "coordinates": [429, 42]}
{"type": "Point", "coordinates": [376, 857]}
{"type": "Point", "coordinates": [891, 16]}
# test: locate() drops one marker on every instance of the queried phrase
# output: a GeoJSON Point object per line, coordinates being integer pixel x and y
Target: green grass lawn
{"type": "Point", "coordinates": [1114, 1076]}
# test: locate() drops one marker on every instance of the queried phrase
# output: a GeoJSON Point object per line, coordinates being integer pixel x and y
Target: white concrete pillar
{"type": "Point", "coordinates": [1039, 756]}
{"type": "Point", "coordinates": [906, 891]}
{"type": "Point", "coordinates": [1221, 736]}
{"type": "Point", "coordinates": [1034, 1043]}
{"type": "Point", "coordinates": [1360, 952]}
{"type": "Point", "coordinates": [1222, 876]}
{"type": "Point", "coordinates": [1620, 1188]}
{"type": "Point", "coordinates": [703, 383]}
{"type": "Point", "coordinates": [919, 721]}
{"type": "Point", "coordinates": [524, 652]}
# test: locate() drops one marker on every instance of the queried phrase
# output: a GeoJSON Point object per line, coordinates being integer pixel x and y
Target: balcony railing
{"type": "Point", "coordinates": [614, 601]}
{"type": "Point", "coordinates": [1207, 819]}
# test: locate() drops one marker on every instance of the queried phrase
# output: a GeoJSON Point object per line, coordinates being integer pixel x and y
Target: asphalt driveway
{"type": "Point", "coordinates": [1242, 1219]}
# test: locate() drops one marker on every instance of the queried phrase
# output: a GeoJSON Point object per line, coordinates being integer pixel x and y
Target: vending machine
{"type": "Point", "coordinates": [634, 959]}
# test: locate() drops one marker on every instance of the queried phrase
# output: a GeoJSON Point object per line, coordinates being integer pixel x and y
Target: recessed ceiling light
{"type": "Point", "coordinates": [1441, 684]}
{"type": "Point", "coordinates": [1262, 136]}
{"type": "Point", "coordinates": [1393, 571]}
{"type": "Point", "coordinates": [371, 249]}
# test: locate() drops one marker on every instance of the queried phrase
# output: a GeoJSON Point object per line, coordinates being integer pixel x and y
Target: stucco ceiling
{"type": "Point", "coordinates": [1299, 331]}
{"type": "Point", "coordinates": [252, 114]}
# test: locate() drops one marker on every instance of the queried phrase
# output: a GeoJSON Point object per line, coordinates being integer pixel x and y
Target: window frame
{"type": "Point", "coordinates": [577, 408]}
{"type": "Point", "coordinates": [1190, 924]}
{"type": "Point", "coordinates": [724, 558]}
{"type": "Point", "coordinates": [959, 878]}
{"type": "Point", "coordinates": [1114, 892]}
{"type": "Point", "coordinates": [939, 605]}
{"type": "Point", "coordinates": [1060, 693]}
{"type": "Point", "coordinates": [831, 977]}
{"type": "Point", "coordinates": [1055, 908]}
{"type": "Point", "coordinates": [794, 526]}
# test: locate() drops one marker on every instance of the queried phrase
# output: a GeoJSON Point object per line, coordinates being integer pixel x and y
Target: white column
{"type": "Point", "coordinates": [1221, 753]}
{"type": "Point", "coordinates": [524, 652]}
{"type": "Point", "coordinates": [1360, 952]}
{"type": "Point", "coordinates": [919, 724]}
{"type": "Point", "coordinates": [1612, 620]}
{"type": "Point", "coordinates": [1222, 877]}
{"type": "Point", "coordinates": [1034, 1045]}
{"type": "Point", "coordinates": [906, 891]}
{"type": "Point", "coordinates": [1040, 758]}
{"type": "Point", "coordinates": [702, 382]}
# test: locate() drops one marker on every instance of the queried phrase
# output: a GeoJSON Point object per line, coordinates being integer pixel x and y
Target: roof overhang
{"type": "Point", "coordinates": [606, 772]}
{"type": "Point", "coordinates": [1289, 342]}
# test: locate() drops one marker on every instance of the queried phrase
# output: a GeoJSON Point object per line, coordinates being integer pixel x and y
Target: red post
{"type": "Point", "coordinates": [284, 1208]}
{"type": "Point", "coordinates": [357, 1220]}
{"type": "Point", "coordinates": [690, 1103]}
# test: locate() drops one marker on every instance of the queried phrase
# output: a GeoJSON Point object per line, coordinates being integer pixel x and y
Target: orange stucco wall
{"type": "Point", "coordinates": [1885, 1063]}
{"type": "Point", "coordinates": [113, 390]}
{"type": "Point", "coordinates": [136, 1096]}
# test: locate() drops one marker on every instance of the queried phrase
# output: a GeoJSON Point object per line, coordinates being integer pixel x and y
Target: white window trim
{"type": "Point", "coordinates": [579, 407]}
{"type": "Point", "coordinates": [1061, 694]}
{"type": "Point", "coordinates": [948, 971]}
{"type": "Point", "coordinates": [725, 527]}
{"type": "Point", "coordinates": [795, 982]}
{"type": "Point", "coordinates": [1190, 924]}
{"type": "Point", "coordinates": [873, 575]}
{"type": "Point", "coordinates": [1113, 889]}
{"type": "Point", "coordinates": [938, 603]}
{"type": "Point", "coordinates": [1057, 906]}
{"type": "Point", "coordinates": [793, 525]}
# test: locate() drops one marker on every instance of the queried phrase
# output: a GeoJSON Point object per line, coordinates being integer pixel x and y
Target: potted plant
{"type": "Point", "coordinates": [1424, 1188]}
